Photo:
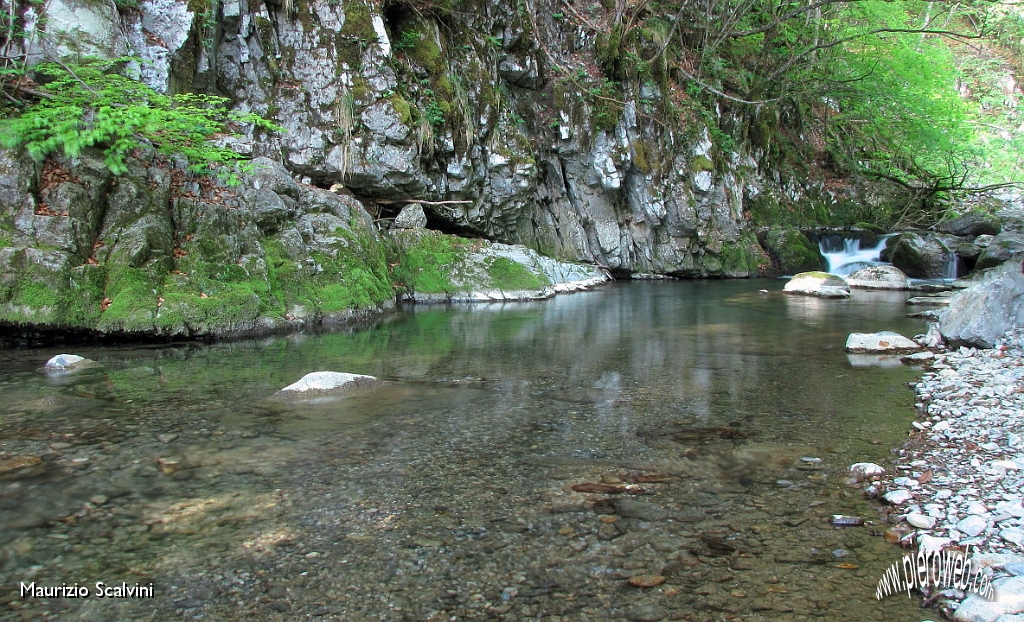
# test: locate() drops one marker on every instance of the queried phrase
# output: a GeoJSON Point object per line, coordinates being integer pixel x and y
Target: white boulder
{"type": "Point", "coordinates": [885, 342]}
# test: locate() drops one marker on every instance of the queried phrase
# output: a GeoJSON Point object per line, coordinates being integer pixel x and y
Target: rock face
{"type": "Point", "coordinates": [820, 284]}
{"type": "Point", "coordinates": [982, 313]}
{"type": "Point", "coordinates": [879, 277]}
{"type": "Point", "coordinates": [154, 253]}
{"type": "Point", "coordinates": [885, 342]}
{"type": "Point", "coordinates": [395, 103]}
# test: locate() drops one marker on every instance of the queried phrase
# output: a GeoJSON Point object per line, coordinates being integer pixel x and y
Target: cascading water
{"type": "Point", "coordinates": [845, 255]}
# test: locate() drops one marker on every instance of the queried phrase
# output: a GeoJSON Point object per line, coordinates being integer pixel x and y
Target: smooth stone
{"type": "Point", "coordinates": [641, 510]}
{"type": "Point", "coordinates": [1013, 535]}
{"type": "Point", "coordinates": [64, 361]}
{"type": "Point", "coordinates": [1009, 465]}
{"type": "Point", "coordinates": [821, 284]}
{"type": "Point", "coordinates": [972, 525]}
{"type": "Point", "coordinates": [879, 277]}
{"type": "Point", "coordinates": [1016, 569]}
{"type": "Point", "coordinates": [897, 497]}
{"type": "Point", "coordinates": [883, 342]}
{"type": "Point", "coordinates": [861, 471]}
{"type": "Point", "coordinates": [1009, 600]}
{"type": "Point", "coordinates": [921, 521]}
{"type": "Point", "coordinates": [328, 381]}
{"type": "Point", "coordinates": [932, 543]}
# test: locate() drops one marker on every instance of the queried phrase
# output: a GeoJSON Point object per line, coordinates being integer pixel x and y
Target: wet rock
{"type": "Point", "coordinates": [862, 471]}
{"type": "Point", "coordinates": [646, 580]}
{"type": "Point", "coordinates": [920, 256]}
{"type": "Point", "coordinates": [327, 382]}
{"type": "Point", "coordinates": [641, 510]}
{"type": "Point", "coordinates": [879, 277]}
{"type": "Point", "coordinates": [885, 342]}
{"type": "Point", "coordinates": [820, 284]}
{"type": "Point", "coordinates": [67, 363]}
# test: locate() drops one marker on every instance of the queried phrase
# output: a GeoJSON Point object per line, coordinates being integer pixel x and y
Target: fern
{"type": "Point", "coordinates": [92, 105]}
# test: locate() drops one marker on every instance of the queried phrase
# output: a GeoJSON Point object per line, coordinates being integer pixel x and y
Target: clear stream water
{"type": "Point", "coordinates": [447, 494]}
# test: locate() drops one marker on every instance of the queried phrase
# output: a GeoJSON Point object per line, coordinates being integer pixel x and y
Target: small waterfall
{"type": "Point", "coordinates": [845, 255]}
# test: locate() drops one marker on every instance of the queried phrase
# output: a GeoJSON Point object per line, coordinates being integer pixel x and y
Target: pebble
{"type": "Point", "coordinates": [921, 521]}
{"type": "Point", "coordinates": [965, 467]}
{"type": "Point", "coordinates": [646, 580]}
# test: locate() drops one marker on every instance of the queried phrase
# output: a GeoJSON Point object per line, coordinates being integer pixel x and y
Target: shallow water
{"type": "Point", "coordinates": [447, 493]}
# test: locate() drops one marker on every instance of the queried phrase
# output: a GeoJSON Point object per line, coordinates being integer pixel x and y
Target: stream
{"type": "Point", "coordinates": [645, 451]}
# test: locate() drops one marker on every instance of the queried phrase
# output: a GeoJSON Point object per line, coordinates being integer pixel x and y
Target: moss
{"type": "Point", "coordinates": [426, 53]}
{"type": "Point", "coordinates": [35, 294]}
{"type": "Point", "coordinates": [640, 156]}
{"type": "Point", "coordinates": [425, 265]}
{"type": "Point", "coordinates": [80, 303]}
{"type": "Point", "coordinates": [353, 275]}
{"type": "Point", "coordinates": [740, 258]}
{"type": "Point", "coordinates": [792, 251]}
{"type": "Point", "coordinates": [401, 107]}
{"type": "Point", "coordinates": [133, 294]}
{"type": "Point", "coordinates": [506, 274]}
{"type": "Point", "coordinates": [701, 164]}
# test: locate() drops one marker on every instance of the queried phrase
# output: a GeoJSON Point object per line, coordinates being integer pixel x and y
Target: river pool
{"type": "Point", "coordinates": [707, 429]}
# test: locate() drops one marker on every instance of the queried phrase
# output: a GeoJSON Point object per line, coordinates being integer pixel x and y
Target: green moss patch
{"type": "Point", "coordinates": [426, 264]}
{"type": "Point", "coordinates": [506, 274]}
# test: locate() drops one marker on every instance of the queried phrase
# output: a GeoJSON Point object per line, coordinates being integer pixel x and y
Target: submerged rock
{"type": "Point", "coordinates": [885, 342]}
{"type": "Point", "coordinates": [319, 382]}
{"type": "Point", "coordinates": [820, 284]}
{"type": "Point", "coordinates": [879, 277]}
{"type": "Point", "coordinates": [67, 363]}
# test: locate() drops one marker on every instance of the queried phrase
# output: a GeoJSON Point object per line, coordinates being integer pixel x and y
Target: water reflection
{"type": "Point", "coordinates": [448, 491]}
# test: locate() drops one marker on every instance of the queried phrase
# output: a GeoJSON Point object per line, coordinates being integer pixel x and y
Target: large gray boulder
{"type": "Point", "coordinates": [820, 284]}
{"type": "Point", "coordinates": [1007, 246]}
{"type": "Point", "coordinates": [879, 277]}
{"type": "Point", "coordinates": [982, 313]}
{"type": "Point", "coordinates": [971, 225]}
{"type": "Point", "coordinates": [921, 256]}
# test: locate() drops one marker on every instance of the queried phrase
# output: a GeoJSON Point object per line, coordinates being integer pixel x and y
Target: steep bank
{"type": "Point", "coordinates": [510, 123]}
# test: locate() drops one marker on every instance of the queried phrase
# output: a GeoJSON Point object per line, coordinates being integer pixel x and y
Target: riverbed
{"type": "Point", "coordinates": [645, 451]}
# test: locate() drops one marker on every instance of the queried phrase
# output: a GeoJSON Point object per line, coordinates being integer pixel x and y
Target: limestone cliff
{"type": "Point", "coordinates": [495, 115]}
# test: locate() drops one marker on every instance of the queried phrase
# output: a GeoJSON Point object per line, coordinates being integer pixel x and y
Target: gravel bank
{"type": "Point", "coordinates": [960, 479]}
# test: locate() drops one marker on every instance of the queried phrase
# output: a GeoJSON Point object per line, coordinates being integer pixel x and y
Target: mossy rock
{"type": "Point", "coordinates": [792, 252]}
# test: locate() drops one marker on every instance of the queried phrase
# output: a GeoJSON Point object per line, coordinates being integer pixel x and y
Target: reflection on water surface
{"type": "Point", "coordinates": [448, 494]}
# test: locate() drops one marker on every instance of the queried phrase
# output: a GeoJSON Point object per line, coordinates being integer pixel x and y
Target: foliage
{"type": "Point", "coordinates": [92, 105]}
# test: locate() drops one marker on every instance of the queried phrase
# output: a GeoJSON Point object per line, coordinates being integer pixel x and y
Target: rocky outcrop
{"type": "Point", "coordinates": [439, 268]}
{"type": "Point", "coordinates": [971, 225]}
{"type": "Point", "coordinates": [1007, 246]}
{"type": "Point", "coordinates": [155, 253]}
{"type": "Point", "coordinates": [820, 284]}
